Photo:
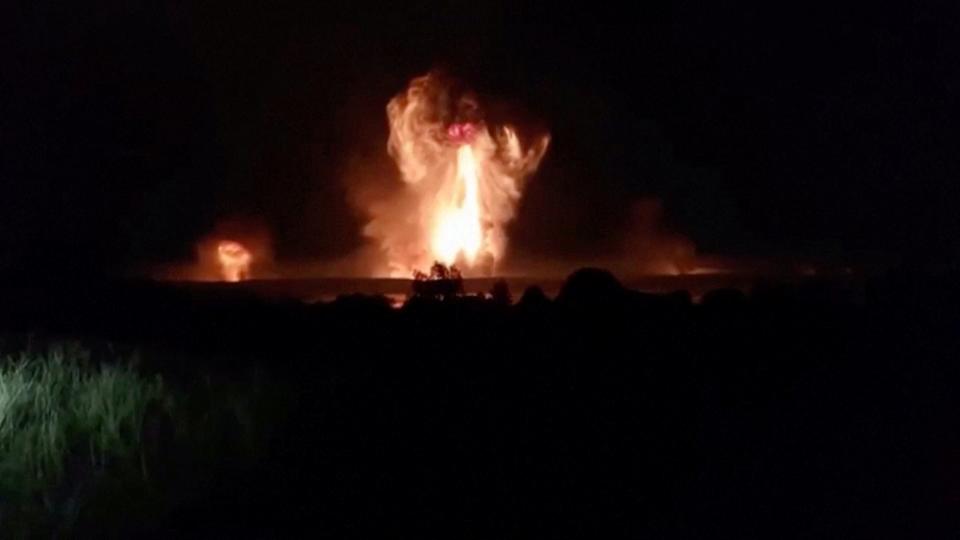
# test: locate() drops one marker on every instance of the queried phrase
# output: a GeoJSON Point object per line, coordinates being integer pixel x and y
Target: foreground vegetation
{"type": "Point", "coordinates": [78, 434]}
{"type": "Point", "coordinates": [57, 406]}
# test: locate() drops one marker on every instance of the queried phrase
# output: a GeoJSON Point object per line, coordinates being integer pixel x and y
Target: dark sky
{"type": "Point", "coordinates": [128, 129]}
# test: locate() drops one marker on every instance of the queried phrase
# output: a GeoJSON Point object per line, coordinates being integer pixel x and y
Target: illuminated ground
{"type": "Point", "coordinates": [327, 289]}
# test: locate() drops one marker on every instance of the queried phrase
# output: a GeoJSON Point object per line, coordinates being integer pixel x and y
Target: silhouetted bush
{"type": "Point", "coordinates": [534, 299]}
{"type": "Point", "coordinates": [500, 293]}
{"type": "Point", "coordinates": [591, 287]}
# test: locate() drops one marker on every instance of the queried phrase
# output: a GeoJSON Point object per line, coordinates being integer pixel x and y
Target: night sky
{"type": "Point", "coordinates": [129, 129]}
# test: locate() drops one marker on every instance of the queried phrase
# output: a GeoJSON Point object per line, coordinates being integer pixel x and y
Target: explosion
{"type": "Point", "coordinates": [234, 260]}
{"type": "Point", "coordinates": [462, 181]}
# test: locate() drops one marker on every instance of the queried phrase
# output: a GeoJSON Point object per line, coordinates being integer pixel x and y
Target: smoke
{"type": "Point", "coordinates": [650, 247]}
{"type": "Point", "coordinates": [641, 244]}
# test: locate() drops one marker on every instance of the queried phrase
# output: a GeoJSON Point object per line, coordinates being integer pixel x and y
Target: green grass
{"type": "Point", "coordinates": [94, 444]}
{"type": "Point", "coordinates": [58, 404]}
{"type": "Point", "coordinates": [65, 419]}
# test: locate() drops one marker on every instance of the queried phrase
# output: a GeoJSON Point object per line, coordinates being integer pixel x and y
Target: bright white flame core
{"type": "Point", "coordinates": [458, 230]}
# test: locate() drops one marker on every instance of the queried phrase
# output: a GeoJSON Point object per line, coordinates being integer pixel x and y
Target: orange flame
{"type": "Point", "coordinates": [464, 177]}
{"type": "Point", "coordinates": [234, 260]}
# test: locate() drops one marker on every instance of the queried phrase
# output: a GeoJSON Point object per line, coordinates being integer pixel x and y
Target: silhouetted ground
{"type": "Point", "coordinates": [328, 289]}
{"type": "Point", "coordinates": [826, 409]}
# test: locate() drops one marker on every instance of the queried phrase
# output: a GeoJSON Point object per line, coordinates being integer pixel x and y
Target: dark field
{"type": "Point", "coordinates": [818, 408]}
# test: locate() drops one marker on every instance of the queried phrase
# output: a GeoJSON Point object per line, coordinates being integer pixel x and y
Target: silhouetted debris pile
{"type": "Point", "coordinates": [443, 282]}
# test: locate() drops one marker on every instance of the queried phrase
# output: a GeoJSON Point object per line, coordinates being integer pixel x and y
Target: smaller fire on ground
{"type": "Point", "coordinates": [234, 260]}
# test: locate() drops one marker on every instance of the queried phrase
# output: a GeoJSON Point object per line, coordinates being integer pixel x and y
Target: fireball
{"type": "Point", "coordinates": [462, 181]}
{"type": "Point", "coordinates": [234, 260]}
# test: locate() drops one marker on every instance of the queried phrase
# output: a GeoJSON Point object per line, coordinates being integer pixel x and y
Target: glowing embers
{"type": "Point", "coordinates": [234, 260]}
